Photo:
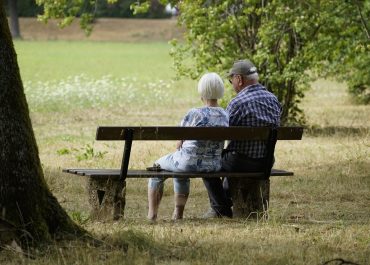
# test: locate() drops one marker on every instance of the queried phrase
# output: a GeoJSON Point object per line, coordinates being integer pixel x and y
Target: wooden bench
{"type": "Point", "coordinates": [107, 187]}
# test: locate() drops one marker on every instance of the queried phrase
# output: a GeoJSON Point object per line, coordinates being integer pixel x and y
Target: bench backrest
{"type": "Point", "coordinates": [128, 134]}
{"type": "Point", "coordinates": [197, 133]}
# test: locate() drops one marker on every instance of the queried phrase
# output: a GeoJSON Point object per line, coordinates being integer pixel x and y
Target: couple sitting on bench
{"type": "Point", "coordinates": [253, 106]}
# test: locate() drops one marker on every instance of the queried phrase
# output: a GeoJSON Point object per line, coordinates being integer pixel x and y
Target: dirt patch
{"type": "Point", "coordinates": [105, 29]}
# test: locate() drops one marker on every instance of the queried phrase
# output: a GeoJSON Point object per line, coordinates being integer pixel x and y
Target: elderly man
{"type": "Point", "coordinates": [253, 106]}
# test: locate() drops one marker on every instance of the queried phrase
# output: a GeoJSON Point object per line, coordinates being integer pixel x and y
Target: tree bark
{"type": "Point", "coordinates": [25, 200]}
{"type": "Point", "coordinates": [14, 21]}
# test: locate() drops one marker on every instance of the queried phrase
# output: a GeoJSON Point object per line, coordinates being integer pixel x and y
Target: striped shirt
{"type": "Point", "coordinates": [253, 106]}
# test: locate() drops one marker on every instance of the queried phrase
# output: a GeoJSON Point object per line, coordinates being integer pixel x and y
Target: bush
{"type": "Point", "coordinates": [121, 9]}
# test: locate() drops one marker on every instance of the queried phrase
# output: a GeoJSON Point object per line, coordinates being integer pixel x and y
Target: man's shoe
{"type": "Point", "coordinates": [211, 213]}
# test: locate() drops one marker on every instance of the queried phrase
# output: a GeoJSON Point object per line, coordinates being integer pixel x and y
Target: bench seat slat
{"type": "Point", "coordinates": [114, 173]}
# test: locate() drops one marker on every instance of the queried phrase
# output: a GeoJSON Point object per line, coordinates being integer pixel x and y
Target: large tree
{"type": "Point", "coordinates": [29, 213]}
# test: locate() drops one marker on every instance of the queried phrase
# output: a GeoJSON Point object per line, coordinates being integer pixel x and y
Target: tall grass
{"type": "Point", "coordinates": [320, 214]}
{"type": "Point", "coordinates": [80, 92]}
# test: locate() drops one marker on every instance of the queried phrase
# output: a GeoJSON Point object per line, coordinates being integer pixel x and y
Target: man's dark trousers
{"type": "Point", "coordinates": [218, 194]}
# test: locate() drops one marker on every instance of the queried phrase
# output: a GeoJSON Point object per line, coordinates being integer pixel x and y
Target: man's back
{"type": "Point", "coordinates": [253, 106]}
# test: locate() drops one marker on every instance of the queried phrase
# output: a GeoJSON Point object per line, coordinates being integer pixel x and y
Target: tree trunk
{"type": "Point", "coordinates": [14, 21]}
{"type": "Point", "coordinates": [25, 200]}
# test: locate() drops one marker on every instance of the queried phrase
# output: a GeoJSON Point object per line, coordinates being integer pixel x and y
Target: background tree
{"type": "Point", "coordinates": [14, 20]}
{"type": "Point", "coordinates": [26, 204]}
{"type": "Point", "coordinates": [25, 8]}
{"type": "Point", "coordinates": [20, 8]}
{"type": "Point", "coordinates": [344, 45]}
{"type": "Point", "coordinates": [88, 10]}
{"type": "Point", "coordinates": [121, 8]}
{"type": "Point", "coordinates": [287, 40]}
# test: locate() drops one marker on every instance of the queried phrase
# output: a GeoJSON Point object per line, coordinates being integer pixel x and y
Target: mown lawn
{"type": "Point", "coordinates": [321, 213]}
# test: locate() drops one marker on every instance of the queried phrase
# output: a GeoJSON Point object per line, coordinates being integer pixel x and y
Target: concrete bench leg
{"type": "Point", "coordinates": [250, 197]}
{"type": "Point", "coordinates": [106, 198]}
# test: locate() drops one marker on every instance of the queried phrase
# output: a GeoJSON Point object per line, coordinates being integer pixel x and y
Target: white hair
{"type": "Point", "coordinates": [253, 76]}
{"type": "Point", "coordinates": [211, 86]}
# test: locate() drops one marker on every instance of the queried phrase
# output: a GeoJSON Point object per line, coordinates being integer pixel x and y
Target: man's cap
{"type": "Point", "coordinates": [242, 67]}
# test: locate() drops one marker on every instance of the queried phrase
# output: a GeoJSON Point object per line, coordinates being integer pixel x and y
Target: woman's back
{"type": "Point", "coordinates": [202, 156]}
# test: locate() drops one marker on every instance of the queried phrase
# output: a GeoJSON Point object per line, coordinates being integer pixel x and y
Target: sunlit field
{"type": "Point", "coordinates": [320, 214]}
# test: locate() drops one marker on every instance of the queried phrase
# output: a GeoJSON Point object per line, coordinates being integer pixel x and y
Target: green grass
{"type": "Point", "coordinates": [56, 60]}
{"type": "Point", "coordinates": [63, 76]}
{"type": "Point", "coordinates": [321, 213]}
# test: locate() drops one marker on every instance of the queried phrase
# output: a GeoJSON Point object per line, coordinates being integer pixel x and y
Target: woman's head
{"type": "Point", "coordinates": [211, 86]}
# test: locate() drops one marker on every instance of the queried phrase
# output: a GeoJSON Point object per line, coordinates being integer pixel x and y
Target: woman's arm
{"type": "Point", "coordinates": [179, 144]}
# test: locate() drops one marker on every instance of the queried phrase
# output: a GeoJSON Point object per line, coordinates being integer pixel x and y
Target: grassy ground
{"type": "Point", "coordinates": [321, 213]}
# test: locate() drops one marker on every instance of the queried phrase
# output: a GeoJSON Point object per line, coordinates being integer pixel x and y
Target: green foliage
{"type": "Point", "coordinates": [228, 95]}
{"type": "Point", "coordinates": [100, 8]}
{"type": "Point", "coordinates": [63, 151]}
{"type": "Point", "coordinates": [359, 78]}
{"type": "Point", "coordinates": [344, 46]}
{"type": "Point", "coordinates": [122, 8]}
{"type": "Point", "coordinates": [88, 153]}
{"type": "Point", "coordinates": [140, 8]}
{"type": "Point", "coordinates": [67, 11]}
{"type": "Point", "coordinates": [79, 217]}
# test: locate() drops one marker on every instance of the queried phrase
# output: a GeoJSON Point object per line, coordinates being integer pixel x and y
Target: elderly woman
{"type": "Point", "coordinates": [192, 156]}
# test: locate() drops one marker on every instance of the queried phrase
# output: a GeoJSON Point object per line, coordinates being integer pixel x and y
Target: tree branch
{"type": "Point", "coordinates": [363, 21]}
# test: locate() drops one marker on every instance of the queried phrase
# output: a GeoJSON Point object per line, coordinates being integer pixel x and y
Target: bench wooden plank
{"type": "Point", "coordinates": [289, 133]}
{"type": "Point", "coordinates": [114, 173]}
{"type": "Point", "coordinates": [107, 133]}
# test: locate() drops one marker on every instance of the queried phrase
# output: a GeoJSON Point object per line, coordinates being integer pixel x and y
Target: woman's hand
{"type": "Point", "coordinates": [179, 144]}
